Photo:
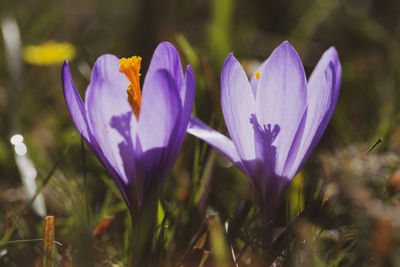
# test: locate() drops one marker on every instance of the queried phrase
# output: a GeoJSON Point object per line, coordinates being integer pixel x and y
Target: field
{"type": "Point", "coordinates": [60, 205]}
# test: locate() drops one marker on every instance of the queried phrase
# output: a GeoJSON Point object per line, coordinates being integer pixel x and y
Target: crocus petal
{"type": "Point", "coordinates": [238, 107]}
{"type": "Point", "coordinates": [217, 140]}
{"type": "Point", "coordinates": [110, 115]}
{"type": "Point", "coordinates": [75, 104]}
{"type": "Point", "coordinates": [281, 103]}
{"type": "Point", "coordinates": [188, 96]}
{"type": "Point", "coordinates": [78, 114]}
{"type": "Point", "coordinates": [322, 93]}
{"type": "Point", "coordinates": [158, 121]}
{"type": "Point", "coordinates": [166, 57]}
{"type": "Point", "coordinates": [176, 143]}
{"type": "Point", "coordinates": [253, 79]}
{"type": "Point", "coordinates": [78, 111]}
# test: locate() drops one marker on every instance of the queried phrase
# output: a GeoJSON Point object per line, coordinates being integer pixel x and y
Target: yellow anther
{"type": "Point", "coordinates": [131, 68]}
{"type": "Point", "coordinates": [257, 74]}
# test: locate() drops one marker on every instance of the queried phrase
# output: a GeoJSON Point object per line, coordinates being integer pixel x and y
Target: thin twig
{"type": "Point", "coordinates": [27, 241]}
{"type": "Point", "coordinates": [372, 147]}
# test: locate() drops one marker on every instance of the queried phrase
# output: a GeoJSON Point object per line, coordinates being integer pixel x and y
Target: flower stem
{"type": "Point", "coordinates": [267, 233]}
{"type": "Point", "coordinates": [144, 223]}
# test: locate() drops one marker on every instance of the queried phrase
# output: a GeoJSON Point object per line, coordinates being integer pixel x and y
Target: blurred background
{"type": "Point", "coordinates": [348, 201]}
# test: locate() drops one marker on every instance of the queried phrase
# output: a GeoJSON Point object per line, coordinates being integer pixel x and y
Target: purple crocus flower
{"type": "Point", "coordinates": [137, 136]}
{"type": "Point", "coordinates": [275, 120]}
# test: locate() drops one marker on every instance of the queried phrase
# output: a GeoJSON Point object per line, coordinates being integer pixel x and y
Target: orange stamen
{"type": "Point", "coordinates": [131, 68]}
{"type": "Point", "coordinates": [257, 74]}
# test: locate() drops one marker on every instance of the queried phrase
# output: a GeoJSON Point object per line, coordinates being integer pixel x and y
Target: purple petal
{"type": "Point", "coordinates": [176, 143]}
{"type": "Point", "coordinates": [322, 93]}
{"type": "Point", "coordinates": [217, 140]}
{"type": "Point", "coordinates": [295, 148]}
{"type": "Point", "coordinates": [166, 57]}
{"type": "Point", "coordinates": [281, 103]}
{"type": "Point", "coordinates": [110, 115]}
{"type": "Point", "coordinates": [78, 113]}
{"type": "Point", "coordinates": [159, 121]}
{"type": "Point", "coordinates": [188, 96]}
{"type": "Point", "coordinates": [254, 81]}
{"type": "Point", "coordinates": [75, 105]}
{"type": "Point", "coordinates": [238, 106]}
